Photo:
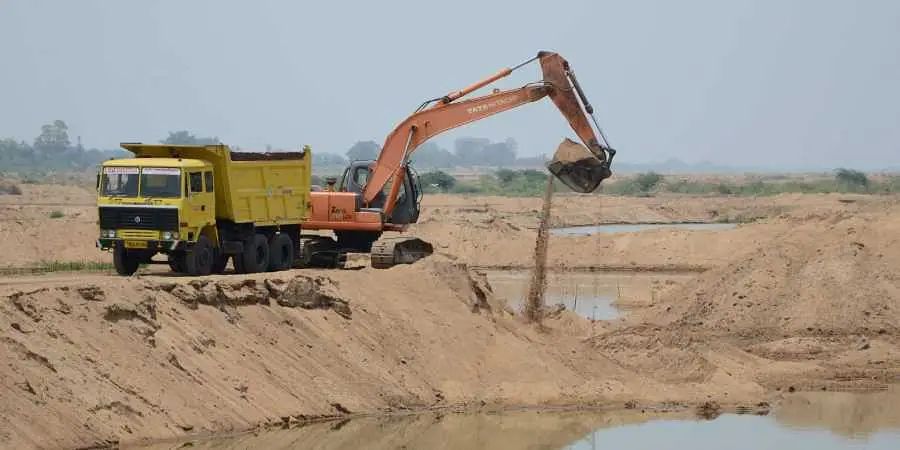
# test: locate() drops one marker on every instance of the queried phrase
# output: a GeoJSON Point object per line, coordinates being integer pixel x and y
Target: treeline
{"type": "Point", "coordinates": [528, 183]}
{"type": "Point", "coordinates": [50, 150]}
{"type": "Point", "coordinates": [467, 152]}
{"type": "Point", "coordinates": [53, 150]}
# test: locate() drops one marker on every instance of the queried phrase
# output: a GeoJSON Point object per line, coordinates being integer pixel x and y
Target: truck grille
{"type": "Point", "coordinates": [118, 217]}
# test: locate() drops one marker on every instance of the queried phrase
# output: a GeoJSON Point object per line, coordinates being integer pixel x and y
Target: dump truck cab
{"type": "Point", "coordinates": [200, 206]}
{"type": "Point", "coordinates": [166, 200]}
{"type": "Point", "coordinates": [155, 205]}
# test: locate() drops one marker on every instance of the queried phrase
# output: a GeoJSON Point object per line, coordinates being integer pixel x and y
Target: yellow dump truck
{"type": "Point", "coordinates": [201, 205]}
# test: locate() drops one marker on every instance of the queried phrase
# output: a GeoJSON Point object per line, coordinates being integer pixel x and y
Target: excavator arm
{"type": "Point", "coordinates": [581, 170]}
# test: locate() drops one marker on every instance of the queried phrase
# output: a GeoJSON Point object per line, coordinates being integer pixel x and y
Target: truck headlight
{"type": "Point", "coordinates": [169, 235]}
{"type": "Point", "coordinates": [108, 233]}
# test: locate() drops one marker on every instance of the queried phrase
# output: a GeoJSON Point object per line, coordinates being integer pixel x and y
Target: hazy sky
{"type": "Point", "coordinates": [734, 82]}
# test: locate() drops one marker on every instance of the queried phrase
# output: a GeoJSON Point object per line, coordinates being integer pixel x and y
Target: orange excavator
{"type": "Point", "coordinates": [385, 195]}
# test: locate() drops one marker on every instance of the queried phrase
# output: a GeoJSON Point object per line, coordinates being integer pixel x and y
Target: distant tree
{"type": "Point", "coordinates": [363, 150]}
{"type": "Point", "coordinates": [500, 154]}
{"type": "Point", "coordinates": [470, 151]}
{"type": "Point", "coordinates": [439, 179]}
{"type": "Point", "coordinates": [506, 176]}
{"type": "Point", "coordinates": [647, 181]}
{"type": "Point", "coordinates": [54, 138]}
{"type": "Point", "coordinates": [184, 137]}
{"type": "Point", "coordinates": [14, 153]}
{"type": "Point", "coordinates": [432, 155]}
{"type": "Point", "coordinates": [325, 159]}
{"type": "Point", "coordinates": [851, 178]}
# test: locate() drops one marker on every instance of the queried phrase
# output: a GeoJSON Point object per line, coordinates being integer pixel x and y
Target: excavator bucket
{"type": "Point", "coordinates": [577, 167]}
{"type": "Point", "coordinates": [580, 168]}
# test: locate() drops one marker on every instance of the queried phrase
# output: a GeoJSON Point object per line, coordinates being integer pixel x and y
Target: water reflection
{"type": "Point", "coordinates": [820, 421]}
{"type": "Point", "coordinates": [596, 296]}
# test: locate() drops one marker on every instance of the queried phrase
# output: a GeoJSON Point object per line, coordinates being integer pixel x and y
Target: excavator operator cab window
{"type": "Point", "coordinates": [360, 176]}
{"type": "Point", "coordinates": [355, 178]}
{"type": "Point", "coordinates": [414, 183]}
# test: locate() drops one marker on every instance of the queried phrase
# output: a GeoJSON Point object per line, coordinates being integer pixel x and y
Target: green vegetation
{"type": "Point", "coordinates": [59, 266]}
{"type": "Point", "coordinates": [56, 214]}
{"type": "Point", "coordinates": [852, 178]}
{"type": "Point", "coordinates": [437, 181]}
{"type": "Point", "coordinates": [74, 266]}
{"type": "Point", "coordinates": [507, 182]}
{"type": "Point", "coordinates": [531, 183]}
{"type": "Point", "coordinates": [51, 150]}
{"type": "Point", "coordinates": [844, 181]}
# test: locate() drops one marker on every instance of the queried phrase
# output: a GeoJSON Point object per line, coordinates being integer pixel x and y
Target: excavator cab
{"type": "Point", "coordinates": [407, 206]}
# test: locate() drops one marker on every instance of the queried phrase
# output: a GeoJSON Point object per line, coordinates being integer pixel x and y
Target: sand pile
{"type": "Point", "coordinates": [122, 359]}
{"type": "Point", "coordinates": [818, 279]}
{"type": "Point", "coordinates": [817, 307]}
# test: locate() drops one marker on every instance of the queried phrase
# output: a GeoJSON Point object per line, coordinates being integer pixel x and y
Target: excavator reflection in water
{"type": "Point", "coordinates": [385, 195]}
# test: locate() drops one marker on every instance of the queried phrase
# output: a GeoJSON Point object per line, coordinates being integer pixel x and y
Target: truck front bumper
{"type": "Point", "coordinates": [159, 246]}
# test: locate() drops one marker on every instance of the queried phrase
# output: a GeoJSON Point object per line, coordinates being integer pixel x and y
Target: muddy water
{"type": "Point", "coordinates": [632, 227]}
{"type": "Point", "coordinates": [599, 296]}
{"type": "Point", "coordinates": [804, 421]}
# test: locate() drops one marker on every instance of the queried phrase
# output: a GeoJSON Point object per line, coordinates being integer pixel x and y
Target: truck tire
{"type": "Point", "coordinates": [281, 252]}
{"type": "Point", "coordinates": [199, 259]}
{"type": "Point", "coordinates": [176, 262]}
{"type": "Point", "coordinates": [256, 255]}
{"type": "Point", "coordinates": [125, 263]}
{"type": "Point", "coordinates": [219, 263]}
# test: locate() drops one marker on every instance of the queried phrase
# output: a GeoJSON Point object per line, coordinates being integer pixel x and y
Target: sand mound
{"type": "Point", "coordinates": [825, 279]}
{"type": "Point", "coordinates": [816, 308]}
{"type": "Point", "coordinates": [123, 359]}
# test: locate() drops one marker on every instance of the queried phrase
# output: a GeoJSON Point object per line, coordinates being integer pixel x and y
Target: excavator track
{"type": "Point", "coordinates": [390, 251]}
{"type": "Point", "coordinates": [319, 251]}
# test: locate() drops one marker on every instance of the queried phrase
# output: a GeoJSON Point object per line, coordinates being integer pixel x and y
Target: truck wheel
{"type": "Point", "coordinates": [256, 254]}
{"type": "Point", "coordinates": [176, 262]}
{"type": "Point", "coordinates": [219, 263]}
{"type": "Point", "coordinates": [199, 259]}
{"type": "Point", "coordinates": [126, 264]}
{"type": "Point", "coordinates": [281, 252]}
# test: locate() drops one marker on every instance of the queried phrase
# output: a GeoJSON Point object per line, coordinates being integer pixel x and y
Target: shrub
{"type": "Point", "coordinates": [851, 178]}
{"type": "Point", "coordinates": [56, 214]}
{"type": "Point", "coordinates": [10, 188]}
{"type": "Point", "coordinates": [437, 180]}
{"type": "Point", "coordinates": [647, 181]}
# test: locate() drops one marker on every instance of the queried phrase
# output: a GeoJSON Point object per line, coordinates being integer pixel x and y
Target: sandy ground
{"type": "Point", "coordinates": [806, 296]}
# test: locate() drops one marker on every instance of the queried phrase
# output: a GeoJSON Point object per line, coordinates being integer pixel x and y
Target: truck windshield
{"type": "Point", "coordinates": [161, 182]}
{"type": "Point", "coordinates": [119, 181]}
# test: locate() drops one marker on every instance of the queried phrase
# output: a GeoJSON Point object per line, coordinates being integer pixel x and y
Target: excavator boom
{"type": "Point", "coordinates": [581, 169]}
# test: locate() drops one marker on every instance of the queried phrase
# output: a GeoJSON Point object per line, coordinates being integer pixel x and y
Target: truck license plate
{"type": "Point", "coordinates": [135, 244]}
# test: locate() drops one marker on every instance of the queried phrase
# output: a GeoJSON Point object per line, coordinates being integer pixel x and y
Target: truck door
{"type": "Point", "coordinates": [200, 200]}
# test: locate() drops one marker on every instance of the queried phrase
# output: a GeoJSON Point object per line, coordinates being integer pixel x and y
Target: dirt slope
{"type": "Point", "coordinates": [819, 307]}
{"type": "Point", "coordinates": [160, 357]}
